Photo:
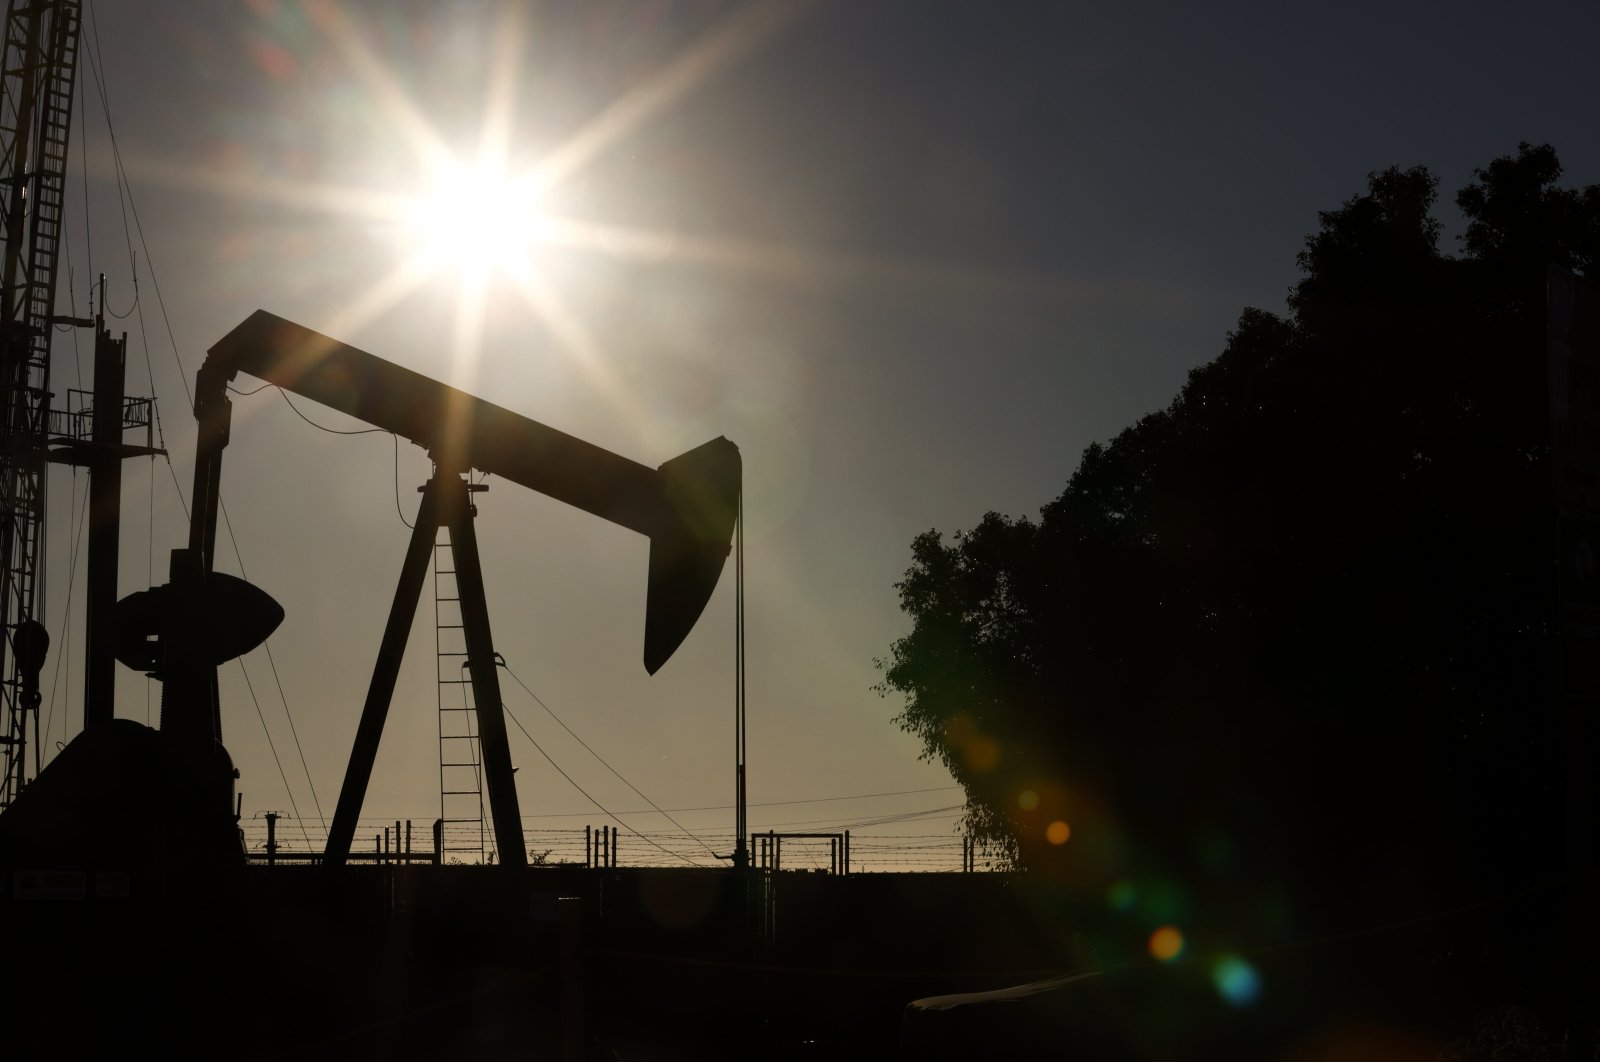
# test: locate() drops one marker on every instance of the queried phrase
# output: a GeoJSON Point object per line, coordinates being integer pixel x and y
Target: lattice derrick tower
{"type": "Point", "coordinates": [36, 84]}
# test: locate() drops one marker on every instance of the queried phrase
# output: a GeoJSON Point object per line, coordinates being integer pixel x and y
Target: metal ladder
{"type": "Point", "coordinates": [460, 766]}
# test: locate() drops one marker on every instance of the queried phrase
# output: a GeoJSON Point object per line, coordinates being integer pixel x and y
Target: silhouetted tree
{"type": "Point", "coordinates": [1287, 646]}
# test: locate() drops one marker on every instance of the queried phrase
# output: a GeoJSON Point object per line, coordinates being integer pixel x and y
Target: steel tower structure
{"type": "Point", "coordinates": [36, 85]}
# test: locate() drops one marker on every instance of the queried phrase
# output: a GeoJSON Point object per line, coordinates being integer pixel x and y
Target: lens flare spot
{"type": "Point", "coordinates": [1164, 902]}
{"type": "Point", "coordinates": [1122, 895]}
{"type": "Point", "coordinates": [1236, 980]}
{"type": "Point", "coordinates": [1057, 832]}
{"type": "Point", "coordinates": [1166, 943]}
{"type": "Point", "coordinates": [983, 753]}
{"type": "Point", "coordinates": [271, 58]}
{"type": "Point", "coordinates": [1027, 800]}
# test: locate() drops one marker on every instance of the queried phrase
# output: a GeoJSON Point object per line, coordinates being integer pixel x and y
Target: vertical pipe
{"type": "Point", "coordinates": [105, 511]}
{"type": "Point", "coordinates": [741, 853]}
{"type": "Point", "coordinates": [569, 935]}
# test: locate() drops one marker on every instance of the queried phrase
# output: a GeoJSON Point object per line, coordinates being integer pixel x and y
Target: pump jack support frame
{"type": "Point", "coordinates": [445, 503]}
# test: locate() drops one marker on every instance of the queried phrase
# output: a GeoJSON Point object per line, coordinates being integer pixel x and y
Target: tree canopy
{"type": "Point", "coordinates": [1290, 640]}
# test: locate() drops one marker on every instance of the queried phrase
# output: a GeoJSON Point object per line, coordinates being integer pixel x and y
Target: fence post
{"type": "Point", "coordinates": [272, 838]}
{"type": "Point", "coordinates": [408, 842]}
{"type": "Point", "coordinates": [438, 842]}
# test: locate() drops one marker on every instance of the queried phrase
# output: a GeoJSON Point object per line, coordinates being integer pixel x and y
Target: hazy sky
{"type": "Point", "coordinates": [910, 256]}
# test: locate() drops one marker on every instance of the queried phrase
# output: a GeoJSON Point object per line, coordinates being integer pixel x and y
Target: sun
{"type": "Point", "coordinates": [486, 219]}
{"type": "Point", "coordinates": [473, 219]}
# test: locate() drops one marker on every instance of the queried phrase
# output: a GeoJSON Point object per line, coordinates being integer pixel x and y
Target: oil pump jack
{"type": "Point", "coordinates": [686, 507]}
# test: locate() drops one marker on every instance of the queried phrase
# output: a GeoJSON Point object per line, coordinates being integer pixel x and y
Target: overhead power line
{"type": "Point", "coordinates": [592, 800]}
{"type": "Point", "coordinates": [131, 210]}
{"type": "Point", "coordinates": [757, 804]}
{"type": "Point", "coordinates": [603, 763]}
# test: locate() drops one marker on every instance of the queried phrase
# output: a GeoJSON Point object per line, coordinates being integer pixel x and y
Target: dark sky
{"type": "Point", "coordinates": [911, 256]}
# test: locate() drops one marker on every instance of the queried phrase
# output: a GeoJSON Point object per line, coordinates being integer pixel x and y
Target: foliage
{"type": "Point", "coordinates": [1298, 625]}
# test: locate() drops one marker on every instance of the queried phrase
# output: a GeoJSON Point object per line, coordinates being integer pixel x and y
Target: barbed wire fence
{"type": "Point", "coordinates": [870, 852]}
